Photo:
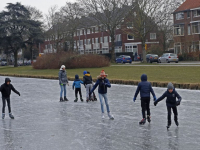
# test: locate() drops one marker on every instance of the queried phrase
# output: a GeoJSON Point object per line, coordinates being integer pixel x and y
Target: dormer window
{"type": "Point", "coordinates": [180, 16]}
{"type": "Point", "coordinates": [197, 13]}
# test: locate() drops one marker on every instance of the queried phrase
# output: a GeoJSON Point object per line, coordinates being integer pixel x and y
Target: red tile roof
{"type": "Point", "coordinates": [188, 4]}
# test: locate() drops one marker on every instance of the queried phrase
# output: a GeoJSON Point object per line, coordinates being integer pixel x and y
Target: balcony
{"type": "Point", "coordinates": [88, 46]}
{"type": "Point", "coordinates": [105, 45]}
{"type": "Point", "coordinates": [96, 46]}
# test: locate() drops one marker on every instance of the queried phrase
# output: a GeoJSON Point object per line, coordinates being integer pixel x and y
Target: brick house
{"type": "Point", "coordinates": [95, 39]}
{"type": "Point", "coordinates": [187, 27]}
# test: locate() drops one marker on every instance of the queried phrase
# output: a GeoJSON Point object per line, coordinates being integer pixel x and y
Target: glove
{"type": "Point", "coordinates": [134, 99]}
{"type": "Point", "coordinates": [155, 98]}
{"type": "Point", "coordinates": [155, 103]}
{"type": "Point", "coordinates": [177, 103]}
{"type": "Point", "coordinates": [18, 93]}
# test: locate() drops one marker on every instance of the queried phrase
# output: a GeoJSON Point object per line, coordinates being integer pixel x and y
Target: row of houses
{"type": "Point", "coordinates": [95, 38]}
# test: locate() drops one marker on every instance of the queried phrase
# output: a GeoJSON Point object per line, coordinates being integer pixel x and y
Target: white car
{"type": "Point", "coordinates": [168, 57]}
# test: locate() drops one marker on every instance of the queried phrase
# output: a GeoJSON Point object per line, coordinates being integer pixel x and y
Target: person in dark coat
{"type": "Point", "coordinates": [5, 90]}
{"type": "Point", "coordinates": [87, 80]}
{"type": "Point", "coordinates": [103, 84]}
{"type": "Point", "coordinates": [171, 103]}
{"type": "Point", "coordinates": [62, 76]}
{"type": "Point", "coordinates": [77, 84]}
{"type": "Point", "coordinates": [145, 89]}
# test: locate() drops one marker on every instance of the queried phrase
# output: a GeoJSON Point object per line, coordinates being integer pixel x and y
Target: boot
{"type": "Point", "coordinates": [76, 100]}
{"type": "Point", "coordinates": [81, 99]}
{"type": "Point", "coordinates": [176, 120]}
{"type": "Point", "coordinates": [11, 116]}
{"type": "Point", "coordinates": [3, 115]}
{"type": "Point", "coordinates": [65, 98]}
{"type": "Point", "coordinates": [143, 121]}
{"type": "Point", "coordinates": [87, 100]}
{"type": "Point", "coordinates": [110, 116]}
{"type": "Point", "coordinates": [149, 119]}
{"type": "Point", "coordinates": [61, 99]}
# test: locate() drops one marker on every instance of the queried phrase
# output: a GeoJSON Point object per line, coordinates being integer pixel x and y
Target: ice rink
{"type": "Point", "coordinates": [43, 123]}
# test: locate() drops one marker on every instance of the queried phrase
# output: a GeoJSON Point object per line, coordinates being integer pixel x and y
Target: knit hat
{"type": "Point", "coordinates": [170, 86]}
{"type": "Point", "coordinates": [84, 72]}
{"type": "Point", "coordinates": [103, 74]}
{"type": "Point", "coordinates": [63, 66]}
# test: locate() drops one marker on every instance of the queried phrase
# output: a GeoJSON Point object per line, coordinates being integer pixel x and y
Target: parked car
{"type": "Point", "coordinates": [168, 57]}
{"type": "Point", "coordinates": [124, 59]}
{"type": "Point", "coordinates": [152, 58]}
{"type": "Point", "coordinates": [3, 63]}
{"type": "Point", "coordinates": [20, 63]}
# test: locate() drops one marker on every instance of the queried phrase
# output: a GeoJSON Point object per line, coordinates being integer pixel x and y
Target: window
{"type": "Point", "coordinates": [101, 40]}
{"type": "Point", "coordinates": [179, 30]}
{"type": "Point", "coordinates": [189, 29]}
{"type": "Point", "coordinates": [81, 43]}
{"type": "Point", "coordinates": [188, 14]}
{"type": "Point", "coordinates": [85, 41]}
{"type": "Point", "coordinates": [129, 25]}
{"type": "Point", "coordinates": [177, 48]}
{"type": "Point", "coordinates": [129, 49]}
{"type": "Point", "coordinates": [96, 40]}
{"type": "Point", "coordinates": [130, 37]}
{"type": "Point", "coordinates": [92, 40]}
{"type": "Point", "coordinates": [45, 46]}
{"type": "Point", "coordinates": [88, 31]}
{"type": "Point", "coordinates": [152, 36]}
{"type": "Point", "coordinates": [180, 16]}
{"type": "Point", "coordinates": [109, 38]}
{"type": "Point", "coordinates": [78, 32]}
{"type": "Point", "coordinates": [196, 28]}
{"type": "Point", "coordinates": [81, 32]}
{"type": "Point", "coordinates": [96, 29]}
{"type": "Point", "coordinates": [88, 41]}
{"type": "Point", "coordinates": [197, 13]}
{"type": "Point", "coordinates": [105, 39]}
{"type": "Point", "coordinates": [92, 30]}
{"type": "Point", "coordinates": [118, 27]}
{"type": "Point", "coordinates": [118, 38]}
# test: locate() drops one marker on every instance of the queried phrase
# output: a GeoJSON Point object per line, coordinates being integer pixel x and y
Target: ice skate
{"type": "Point", "coordinates": [11, 116]}
{"type": "Point", "coordinates": [168, 125]}
{"type": "Point", "coordinates": [110, 116]}
{"type": "Point", "coordinates": [81, 99]}
{"type": "Point", "coordinates": [87, 100]}
{"type": "Point", "coordinates": [65, 98]}
{"type": "Point", "coordinates": [149, 119]}
{"type": "Point", "coordinates": [102, 116]}
{"type": "Point", "coordinates": [61, 99]}
{"type": "Point", "coordinates": [76, 100]}
{"type": "Point", "coordinates": [3, 115]}
{"type": "Point", "coordinates": [143, 121]}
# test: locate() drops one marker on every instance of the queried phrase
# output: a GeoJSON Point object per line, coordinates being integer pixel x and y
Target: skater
{"type": "Point", "coordinates": [145, 89]}
{"type": "Point", "coordinates": [103, 84]}
{"type": "Point", "coordinates": [62, 75]}
{"type": "Point", "coordinates": [171, 103]}
{"type": "Point", "coordinates": [87, 80]}
{"type": "Point", "coordinates": [5, 90]}
{"type": "Point", "coordinates": [77, 84]}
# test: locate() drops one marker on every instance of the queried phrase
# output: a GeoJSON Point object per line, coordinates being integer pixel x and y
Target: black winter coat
{"type": "Point", "coordinates": [171, 98]}
{"type": "Point", "coordinates": [5, 89]}
{"type": "Point", "coordinates": [87, 79]}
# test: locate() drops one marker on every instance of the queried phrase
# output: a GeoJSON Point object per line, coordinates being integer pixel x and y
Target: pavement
{"type": "Point", "coordinates": [43, 123]}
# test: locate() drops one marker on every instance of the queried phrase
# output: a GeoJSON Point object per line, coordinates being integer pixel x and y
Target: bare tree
{"type": "Point", "coordinates": [71, 13]}
{"type": "Point", "coordinates": [109, 14]}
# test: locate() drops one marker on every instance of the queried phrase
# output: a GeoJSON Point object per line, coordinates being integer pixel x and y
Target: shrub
{"type": "Point", "coordinates": [192, 56]}
{"type": "Point", "coordinates": [71, 61]}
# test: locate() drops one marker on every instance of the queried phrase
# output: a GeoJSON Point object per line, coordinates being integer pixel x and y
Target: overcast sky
{"type": "Point", "coordinates": [42, 5]}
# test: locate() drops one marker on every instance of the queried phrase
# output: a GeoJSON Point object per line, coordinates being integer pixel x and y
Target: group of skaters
{"type": "Point", "coordinates": [173, 99]}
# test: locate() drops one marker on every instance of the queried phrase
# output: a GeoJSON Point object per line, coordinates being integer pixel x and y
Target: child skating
{"type": "Point", "coordinates": [171, 103]}
{"type": "Point", "coordinates": [87, 80]}
{"type": "Point", "coordinates": [103, 84]}
{"type": "Point", "coordinates": [5, 90]}
{"type": "Point", "coordinates": [77, 84]}
{"type": "Point", "coordinates": [145, 89]}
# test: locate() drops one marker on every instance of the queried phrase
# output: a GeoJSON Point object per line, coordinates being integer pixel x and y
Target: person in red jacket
{"type": "Point", "coordinates": [5, 90]}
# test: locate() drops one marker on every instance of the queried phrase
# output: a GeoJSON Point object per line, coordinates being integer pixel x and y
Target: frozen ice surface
{"type": "Point", "coordinates": [43, 123]}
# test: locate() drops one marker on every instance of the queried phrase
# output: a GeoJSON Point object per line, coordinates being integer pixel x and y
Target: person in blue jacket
{"type": "Point", "coordinates": [103, 84]}
{"type": "Point", "coordinates": [145, 89]}
{"type": "Point", "coordinates": [171, 103]}
{"type": "Point", "coordinates": [77, 84]}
